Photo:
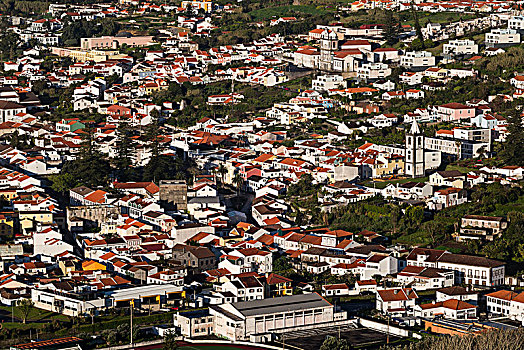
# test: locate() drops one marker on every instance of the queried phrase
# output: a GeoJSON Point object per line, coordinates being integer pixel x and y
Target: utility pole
{"type": "Point", "coordinates": [131, 304]}
{"type": "Point", "coordinates": [387, 339]}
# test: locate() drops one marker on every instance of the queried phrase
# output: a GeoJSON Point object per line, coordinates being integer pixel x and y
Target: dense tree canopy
{"type": "Point", "coordinates": [513, 148]}
{"type": "Point", "coordinates": [74, 30]}
{"type": "Point", "coordinates": [493, 340]}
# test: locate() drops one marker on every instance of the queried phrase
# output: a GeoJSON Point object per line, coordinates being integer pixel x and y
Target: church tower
{"type": "Point", "coordinates": [414, 160]}
{"type": "Point", "coordinates": [328, 45]}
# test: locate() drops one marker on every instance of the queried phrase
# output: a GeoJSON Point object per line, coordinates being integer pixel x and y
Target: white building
{"type": "Point", "coordinates": [258, 320]}
{"type": "Point", "coordinates": [373, 71]}
{"type": "Point", "coordinates": [194, 323]}
{"type": "Point", "coordinates": [502, 38]}
{"type": "Point", "coordinates": [517, 81]}
{"type": "Point", "coordinates": [468, 269]}
{"type": "Point", "coordinates": [451, 309]}
{"type": "Point", "coordinates": [516, 23]}
{"type": "Point", "coordinates": [423, 278]}
{"type": "Point", "coordinates": [328, 82]}
{"type": "Point", "coordinates": [417, 59]}
{"type": "Point", "coordinates": [396, 301]}
{"type": "Point", "coordinates": [64, 304]}
{"type": "Point", "coordinates": [335, 290]}
{"type": "Point", "coordinates": [8, 110]}
{"type": "Point", "coordinates": [460, 47]}
{"type": "Point", "coordinates": [507, 304]}
{"type": "Point", "coordinates": [458, 293]}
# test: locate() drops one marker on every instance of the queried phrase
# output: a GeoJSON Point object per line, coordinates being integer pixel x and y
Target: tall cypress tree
{"type": "Point", "coordinates": [125, 147]}
{"type": "Point", "coordinates": [418, 28]}
{"type": "Point", "coordinates": [391, 28]}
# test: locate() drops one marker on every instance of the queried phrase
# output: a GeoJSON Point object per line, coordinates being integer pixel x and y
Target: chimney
{"type": "Point", "coordinates": [396, 291]}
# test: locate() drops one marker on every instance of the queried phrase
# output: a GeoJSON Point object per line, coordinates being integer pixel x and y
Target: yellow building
{"type": "Point", "coordinates": [29, 219]}
{"type": "Point", "coordinates": [91, 265]}
{"type": "Point", "coordinates": [279, 285]}
{"type": "Point", "coordinates": [6, 225]}
{"type": "Point", "coordinates": [67, 266]}
{"type": "Point", "coordinates": [150, 88]}
{"type": "Point", "coordinates": [8, 194]}
{"type": "Point", "coordinates": [87, 55]}
{"type": "Point", "coordinates": [389, 166]}
{"type": "Point", "coordinates": [436, 72]}
{"type": "Point", "coordinates": [205, 5]}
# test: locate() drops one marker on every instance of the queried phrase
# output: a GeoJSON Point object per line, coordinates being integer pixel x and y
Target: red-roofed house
{"type": "Point", "coordinates": [396, 301]}
{"type": "Point", "coordinates": [452, 309]}
{"type": "Point", "coordinates": [455, 111]}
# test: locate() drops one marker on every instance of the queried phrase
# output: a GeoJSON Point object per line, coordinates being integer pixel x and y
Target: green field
{"type": "Point", "coordinates": [383, 184]}
{"type": "Point", "coordinates": [286, 11]}
{"type": "Point", "coordinates": [440, 17]}
{"type": "Point", "coordinates": [406, 17]}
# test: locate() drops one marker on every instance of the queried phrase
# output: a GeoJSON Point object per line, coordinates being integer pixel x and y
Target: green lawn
{"type": "Point", "coordinates": [437, 50]}
{"type": "Point", "coordinates": [286, 11]}
{"type": "Point", "coordinates": [462, 169]}
{"type": "Point", "coordinates": [383, 184]}
{"type": "Point", "coordinates": [440, 17]}
{"type": "Point", "coordinates": [406, 17]}
{"type": "Point", "coordinates": [416, 238]}
{"type": "Point", "coordinates": [35, 315]}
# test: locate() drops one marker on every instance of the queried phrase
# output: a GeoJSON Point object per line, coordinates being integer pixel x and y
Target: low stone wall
{"type": "Point", "coordinates": [381, 327]}
{"type": "Point", "coordinates": [227, 342]}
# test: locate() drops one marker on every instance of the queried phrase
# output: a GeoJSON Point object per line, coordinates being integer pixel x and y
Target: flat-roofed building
{"type": "Point", "coordinates": [460, 47]}
{"type": "Point", "coordinates": [194, 323]}
{"type": "Point", "coordinates": [481, 227]}
{"type": "Point", "coordinates": [114, 42]}
{"type": "Point", "coordinates": [417, 59]}
{"type": "Point", "coordinates": [502, 38]}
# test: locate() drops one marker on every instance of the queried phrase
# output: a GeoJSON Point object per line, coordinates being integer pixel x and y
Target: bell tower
{"type": "Point", "coordinates": [414, 159]}
{"type": "Point", "coordinates": [328, 45]}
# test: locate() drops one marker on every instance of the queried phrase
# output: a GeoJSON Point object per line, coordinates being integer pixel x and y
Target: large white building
{"type": "Point", "coordinates": [417, 59]}
{"type": "Point", "coordinates": [257, 320]}
{"type": "Point", "coordinates": [329, 58]}
{"type": "Point", "coordinates": [8, 110]}
{"type": "Point", "coordinates": [460, 47]}
{"type": "Point", "coordinates": [506, 303]}
{"type": "Point", "coordinates": [502, 38]}
{"type": "Point", "coordinates": [452, 309]}
{"type": "Point", "coordinates": [516, 23]}
{"type": "Point", "coordinates": [328, 82]}
{"type": "Point", "coordinates": [373, 71]}
{"type": "Point", "coordinates": [468, 269]}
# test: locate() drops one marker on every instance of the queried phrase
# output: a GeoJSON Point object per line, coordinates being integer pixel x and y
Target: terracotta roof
{"type": "Point", "coordinates": [452, 304]}
{"type": "Point", "coordinates": [273, 278]}
{"type": "Point", "coordinates": [397, 294]}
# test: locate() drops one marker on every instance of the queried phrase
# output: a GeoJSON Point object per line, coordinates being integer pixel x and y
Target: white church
{"type": "Point", "coordinates": [329, 58]}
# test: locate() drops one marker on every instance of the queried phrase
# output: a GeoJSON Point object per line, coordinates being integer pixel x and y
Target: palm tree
{"type": "Point", "coordinates": [222, 171]}
{"type": "Point", "coordinates": [238, 180]}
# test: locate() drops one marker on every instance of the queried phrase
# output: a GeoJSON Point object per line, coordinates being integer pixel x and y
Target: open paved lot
{"type": "Point", "coordinates": [361, 338]}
